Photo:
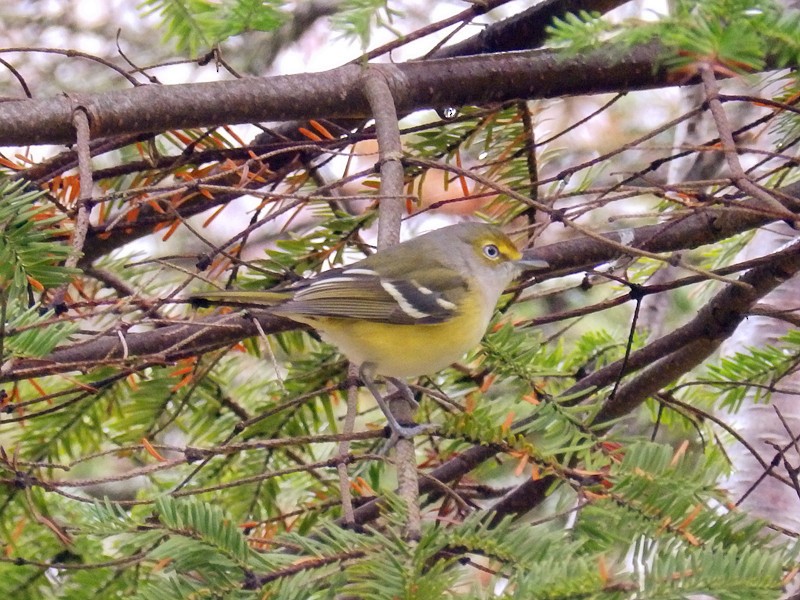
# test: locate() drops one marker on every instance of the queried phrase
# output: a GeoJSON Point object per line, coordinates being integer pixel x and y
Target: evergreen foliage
{"type": "Point", "coordinates": [195, 25]}
{"type": "Point", "coordinates": [193, 470]}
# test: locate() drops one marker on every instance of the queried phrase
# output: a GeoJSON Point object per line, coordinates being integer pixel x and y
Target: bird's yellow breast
{"type": "Point", "coordinates": [406, 350]}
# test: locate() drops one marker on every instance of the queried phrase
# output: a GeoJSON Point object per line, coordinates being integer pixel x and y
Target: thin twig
{"type": "Point", "coordinates": [738, 177]}
{"type": "Point", "coordinates": [390, 157]}
{"type": "Point", "coordinates": [80, 119]}
{"type": "Point", "coordinates": [344, 445]}
{"type": "Point", "coordinates": [390, 215]}
{"type": "Point", "coordinates": [556, 215]}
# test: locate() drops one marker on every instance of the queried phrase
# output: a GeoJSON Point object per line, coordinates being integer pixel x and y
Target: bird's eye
{"type": "Point", "coordinates": [491, 251]}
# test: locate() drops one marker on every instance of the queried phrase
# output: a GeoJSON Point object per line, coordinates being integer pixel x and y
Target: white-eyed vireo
{"type": "Point", "coordinates": [406, 311]}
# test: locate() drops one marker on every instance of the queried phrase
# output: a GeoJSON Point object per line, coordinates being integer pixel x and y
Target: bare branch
{"type": "Point", "coordinates": [335, 93]}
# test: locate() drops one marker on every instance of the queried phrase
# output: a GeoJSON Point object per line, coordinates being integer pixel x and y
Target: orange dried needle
{"type": "Point", "coordinates": [10, 164]}
{"type": "Point", "coordinates": [229, 130]}
{"type": "Point", "coordinates": [152, 451]}
{"type": "Point", "coordinates": [156, 206]}
{"type": "Point", "coordinates": [35, 284]}
{"type": "Point", "coordinates": [508, 421]}
{"type": "Point", "coordinates": [360, 485]}
{"type": "Point", "coordinates": [679, 453]}
{"type": "Point", "coordinates": [161, 565]}
{"type": "Point", "coordinates": [602, 569]}
{"type": "Point", "coordinates": [461, 179]}
{"type": "Point", "coordinates": [214, 215]}
{"type": "Point", "coordinates": [37, 387]}
{"type": "Point", "coordinates": [470, 404]}
{"type": "Point", "coordinates": [691, 517]}
{"type": "Point", "coordinates": [521, 464]}
{"type": "Point", "coordinates": [182, 383]}
{"type": "Point", "coordinates": [320, 128]}
{"type": "Point", "coordinates": [131, 379]}
{"type": "Point", "coordinates": [132, 214]}
{"type": "Point", "coordinates": [172, 228]}
{"type": "Point", "coordinates": [309, 134]}
{"type": "Point", "coordinates": [532, 398]}
{"type": "Point", "coordinates": [15, 535]}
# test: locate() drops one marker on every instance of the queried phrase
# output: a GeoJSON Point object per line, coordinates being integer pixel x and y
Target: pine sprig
{"type": "Point", "coordinates": [738, 35]}
{"type": "Point", "coordinates": [357, 19]}
{"type": "Point", "coordinates": [754, 372]}
{"type": "Point", "coordinates": [31, 242]}
{"type": "Point", "coordinates": [196, 25]}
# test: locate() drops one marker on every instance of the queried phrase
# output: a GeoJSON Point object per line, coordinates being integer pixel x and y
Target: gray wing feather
{"type": "Point", "coordinates": [361, 294]}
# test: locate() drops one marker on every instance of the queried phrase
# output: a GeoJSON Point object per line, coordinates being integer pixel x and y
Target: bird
{"type": "Point", "coordinates": [409, 310]}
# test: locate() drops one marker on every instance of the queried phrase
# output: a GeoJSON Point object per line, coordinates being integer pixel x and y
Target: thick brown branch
{"type": "Point", "coordinates": [335, 93]}
{"type": "Point", "coordinates": [165, 344]}
{"type": "Point", "coordinates": [528, 29]}
{"type": "Point", "coordinates": [705, 226]}
{"type": "Point", "coordinates": [680, 351]}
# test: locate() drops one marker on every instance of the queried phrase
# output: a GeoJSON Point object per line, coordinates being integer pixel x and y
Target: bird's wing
{"type": "Point", "coordinates": [360, 293]}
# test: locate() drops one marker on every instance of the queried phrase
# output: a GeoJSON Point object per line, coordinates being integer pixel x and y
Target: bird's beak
{"type": "Point", "coordinates": [529, 263]}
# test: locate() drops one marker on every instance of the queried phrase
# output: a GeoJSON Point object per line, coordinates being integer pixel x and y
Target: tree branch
{"type": "Point", "coordinates": [680, 351]}
{"type": "Point", "coordinates": [162, 345]}
{"type": "Point", "coordinates": [390, 215]}
{"type": "Point", "coordinates": [528, 29]}
{"type": "Point", "coordinates": [336, 93]}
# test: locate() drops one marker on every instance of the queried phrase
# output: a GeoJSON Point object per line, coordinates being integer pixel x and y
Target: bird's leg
{"type": "Point", "coordinates": [404, 392]}
{"type": "Point", "coordinates": [398, 430]}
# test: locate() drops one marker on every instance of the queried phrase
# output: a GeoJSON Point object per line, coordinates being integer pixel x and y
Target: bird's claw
{"type": "Point", "coordinates": [405, 432]}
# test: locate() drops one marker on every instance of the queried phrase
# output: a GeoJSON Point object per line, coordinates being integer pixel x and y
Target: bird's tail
{"type": "Point", "coordinates": [244, 298]}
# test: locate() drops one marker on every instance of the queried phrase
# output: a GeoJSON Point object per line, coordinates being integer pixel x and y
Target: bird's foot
{"type": "Point", "coordinates": [399, 432]}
